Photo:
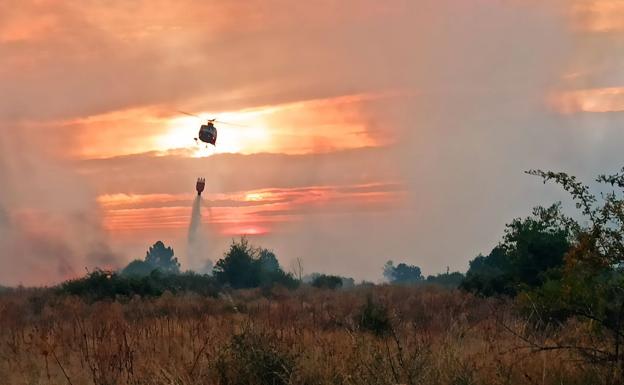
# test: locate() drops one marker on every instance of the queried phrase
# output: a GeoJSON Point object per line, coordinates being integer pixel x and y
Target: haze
{"type": "Point", "coordinates": [369, 130]}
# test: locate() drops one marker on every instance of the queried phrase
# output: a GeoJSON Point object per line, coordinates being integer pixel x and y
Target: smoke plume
{"type": "Point", "coordinates": [50, 225]}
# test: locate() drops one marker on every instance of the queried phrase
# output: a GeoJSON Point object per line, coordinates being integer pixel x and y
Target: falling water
{"type": "Point", "coordinates": [197, 242]}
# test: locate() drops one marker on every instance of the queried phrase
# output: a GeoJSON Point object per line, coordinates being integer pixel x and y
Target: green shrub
{"type": "Point", "coordinates": [373, 317]}
{"type": "Point", "coordinates": [448, 280]}
{"type": "Point", "coordinates": [531, 251]}
{"type": "Point", "coordinates": [100, 284]}
{"type": "Point", "coordinates": [244, 266]}
{"type": "Point", "coordinates": [254, 358]}
{"type": "Point", "coordinates": [327, 282]}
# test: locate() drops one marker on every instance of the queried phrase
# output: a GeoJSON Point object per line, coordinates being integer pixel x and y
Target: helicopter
{"type": "Point", "coordinates": [208, 132]}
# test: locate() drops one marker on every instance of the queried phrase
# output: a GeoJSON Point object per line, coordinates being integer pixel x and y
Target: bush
{"type": "Point", "coordinates": [158, 257]}
{"type": "Point", "coordinates": [332, 282]}
{"type": "Point", "coordinates": [448, 280]}
{"type": "Point", "coordinates": [374, 318]}
{"type": "Point", "coordinates": [138, 268]}
{"type": "Point", "coordinates": [244, 266]}
{"type": "Point", "coordinates": [531, 252]}
{"type": "Point", "coordinates": [162, 258]}
{"type": "Point", "coordinates": [402, 274]}
{"type": "Point", "coordinates": [254, 358]}
{"type": "Point", "coordinates": [101, 284]}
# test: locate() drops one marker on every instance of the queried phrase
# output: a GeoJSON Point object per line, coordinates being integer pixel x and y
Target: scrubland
{"type": "Point", "coordinates": [365, 335]}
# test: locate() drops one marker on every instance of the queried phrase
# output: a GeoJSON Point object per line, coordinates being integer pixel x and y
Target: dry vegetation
{"type": "Point", "coordinates": [307, 336]}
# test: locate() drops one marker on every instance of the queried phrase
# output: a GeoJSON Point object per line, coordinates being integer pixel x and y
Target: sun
{"type": "Point", "coordinates": [245, 230]}
{"type": "Point", "coordinates": [243, 132]}
{"type": "Point", "coordinates": [179, 133]}
{"type": "Point", "coordinates": [254, 197]}
{"type": "Point", "coordinates": [238, 132]}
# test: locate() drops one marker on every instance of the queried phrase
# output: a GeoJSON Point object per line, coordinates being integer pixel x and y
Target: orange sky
{"type": "Point", "coordinates": [365, 128]}
{"type": "Point", "coordinates": [600, 16]}
{"type": "Point", "coordinates": [248, 212]}
{"type": "Point", "coordinates": [308, 126]}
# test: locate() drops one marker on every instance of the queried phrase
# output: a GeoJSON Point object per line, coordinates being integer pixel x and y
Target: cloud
{"type": "Point", "coordinates": [297, 127]}
{"type": "Point", "coordinates": [592, 100]}
{"type": "Point", "coordinates": [602, 16]}
{"type": "Point", "coordinates": [152, 174]}
{"type": "Point", "coordinates": [247, 209]}
{"type": "Point", "coordinates": [173, 51]}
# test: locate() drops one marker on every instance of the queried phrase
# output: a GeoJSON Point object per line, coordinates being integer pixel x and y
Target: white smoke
{"type": "Point", "coordinates": [50, 224]}
{"type": "Point", "coordinates": [197, 248]}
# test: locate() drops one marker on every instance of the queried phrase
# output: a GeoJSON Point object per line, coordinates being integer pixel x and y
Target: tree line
{"type": "Point", "coordinates": [555, 266]}
{"type": "Point", "coordinates": [557, 269]}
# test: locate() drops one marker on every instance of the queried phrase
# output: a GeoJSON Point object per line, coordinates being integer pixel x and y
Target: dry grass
{"type": "Point", "coordinates": [307, 336]}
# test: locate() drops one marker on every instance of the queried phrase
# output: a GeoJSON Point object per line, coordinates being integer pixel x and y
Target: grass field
{"type": "Point", "coordinates": [367, 335]}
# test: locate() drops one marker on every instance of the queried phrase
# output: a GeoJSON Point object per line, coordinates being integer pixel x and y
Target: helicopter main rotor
{"type": "Point", "coordinates": [212, 121]}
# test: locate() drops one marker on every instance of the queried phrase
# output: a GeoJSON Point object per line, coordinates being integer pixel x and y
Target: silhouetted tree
{"type": "Point", "coordinates": [591, 286]}
{"type": "Point", "coordinates": [162, 258]}
{"type": "Point", "coordinates": [236, 268]}
{"type": "Point", "coordinates": [489, 275]}
{"type": "Point", "coordinates": [327, 282]}
{"type": "Point", "coordinates": [267, 260]}
{"type": "Point", "coordinates": [244, 266]}
{"type": "Point", "coordinates": [448, 280]}
{"type": "Point", "coordinates": [402, 273]}
{"type": "Point", "coordinates": [158, 257]}
{"type": "Point", "coordinates": [138, 268]}
{"type": "Point", "coordinates": [531, 251]}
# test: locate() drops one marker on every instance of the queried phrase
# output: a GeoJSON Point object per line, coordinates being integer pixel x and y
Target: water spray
{"type": "Point", "coordinates": [197, 241]}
